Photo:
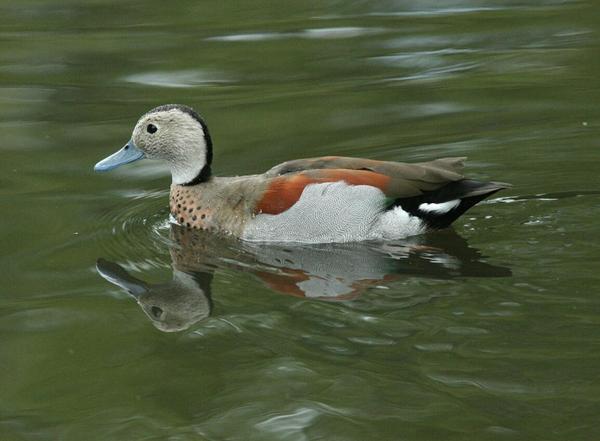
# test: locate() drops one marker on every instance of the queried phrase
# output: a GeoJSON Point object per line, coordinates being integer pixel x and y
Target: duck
{"type": "Point", "coordinates": [313, 200]}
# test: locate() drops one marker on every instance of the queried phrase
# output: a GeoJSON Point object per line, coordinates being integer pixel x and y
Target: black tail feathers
{"type": "Point", "coordinates": [441, 207]}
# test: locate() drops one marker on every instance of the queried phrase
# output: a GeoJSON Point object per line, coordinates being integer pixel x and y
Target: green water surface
{"type": "Point", "coordinates": [487, 332]}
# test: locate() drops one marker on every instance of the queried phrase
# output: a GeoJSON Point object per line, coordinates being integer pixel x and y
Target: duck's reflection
{"type": "Point", "coordinates": [327, 272]}
{"type": "Point", "coordinates": [172, 306]}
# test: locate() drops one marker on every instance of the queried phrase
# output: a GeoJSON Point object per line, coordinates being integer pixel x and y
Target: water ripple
{"type": "Point", "coordinates": [138, 227]}
{"type": "Point", "coordinates": [289, 424]}
{"type": "Point", "coordinates": [313, 33]}
{"type": "Point", "coordinates": [501, 387]}
{"type": "Point", "coordinates": [178, 79]}
{"type": "Point", "coordinates": [440, 12]}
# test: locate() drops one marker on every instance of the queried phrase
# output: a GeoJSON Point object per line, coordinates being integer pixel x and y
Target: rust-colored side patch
{"type": "Point", "coordinates": [285, 283]}
{"type": "Point", "coordinates": [284, 191]}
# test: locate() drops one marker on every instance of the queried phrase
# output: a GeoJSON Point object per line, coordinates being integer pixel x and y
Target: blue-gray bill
{"type": "Point", "coordinates": [127, 154]}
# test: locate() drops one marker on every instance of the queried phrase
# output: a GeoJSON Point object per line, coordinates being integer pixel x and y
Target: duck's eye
{"type": "Point", "coordinates": [151, 128]}
{"type": "Point", "coordinates": [156, 312]}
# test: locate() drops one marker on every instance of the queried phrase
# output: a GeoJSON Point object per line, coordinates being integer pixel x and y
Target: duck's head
{"type": "Point", "coordinates": [174, 133]}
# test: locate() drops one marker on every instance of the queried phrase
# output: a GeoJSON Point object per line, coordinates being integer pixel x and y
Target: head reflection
{"type": "Point", "coordinates": [172, 306]}
{"type": "Point", "coordinates": [328, 272]}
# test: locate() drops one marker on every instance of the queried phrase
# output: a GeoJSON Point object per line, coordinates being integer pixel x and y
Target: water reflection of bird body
{"type": "Point", "coordinates": [327, 272]}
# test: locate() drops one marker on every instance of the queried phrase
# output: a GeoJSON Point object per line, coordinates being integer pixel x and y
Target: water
{"type": "Point", "coordinates": [486, 332]}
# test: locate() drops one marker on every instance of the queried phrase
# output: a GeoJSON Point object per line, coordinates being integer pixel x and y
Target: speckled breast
{"type": "Point", "coordinates": [188, 210]}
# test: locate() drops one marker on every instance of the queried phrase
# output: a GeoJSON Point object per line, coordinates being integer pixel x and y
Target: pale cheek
{"type": "Point", "coordinates": [150, 148]}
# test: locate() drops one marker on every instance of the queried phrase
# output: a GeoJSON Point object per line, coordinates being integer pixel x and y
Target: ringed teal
{"type": "Point", "coordinates": [316, 200]}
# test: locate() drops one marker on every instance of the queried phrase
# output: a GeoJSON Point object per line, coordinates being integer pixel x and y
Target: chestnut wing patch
{"type": "Point", "coordinates": [284, 191]}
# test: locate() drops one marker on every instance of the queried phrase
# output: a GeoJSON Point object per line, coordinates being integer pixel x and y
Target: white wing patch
{"type": "Point", "coordinates": [334, 212]}
{"type": "Point", "coordinates": [442, 208]}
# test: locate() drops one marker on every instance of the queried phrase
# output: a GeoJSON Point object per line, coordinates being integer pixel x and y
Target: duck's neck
{"type": "Point", "coordinates": [191, 173]}
{"type": "Point", "coordinates": [204, 175]}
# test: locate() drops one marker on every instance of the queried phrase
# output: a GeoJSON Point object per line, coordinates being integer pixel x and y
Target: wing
{"type": "Point", "coordinates": [396, 180]}
{"type": "Point", "coordinates": [445, 169]}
